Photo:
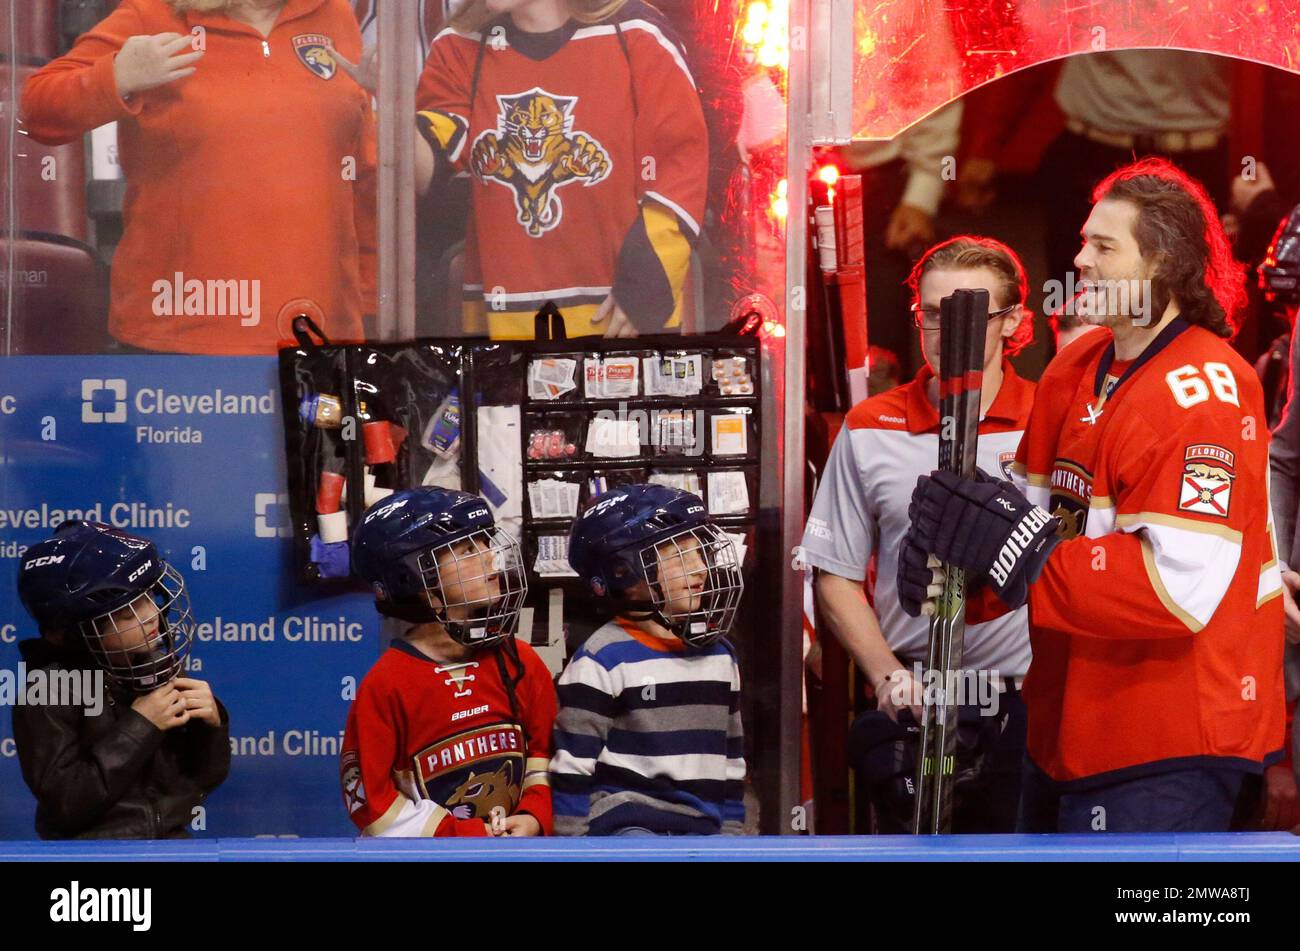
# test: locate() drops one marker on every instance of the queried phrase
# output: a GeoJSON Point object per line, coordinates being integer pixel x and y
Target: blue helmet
{"type": "Point", "coordinates": [114, 589]}
{"type": "Point", "coordinates": [660, 537]}
{"type": "Point", "coordinates": [434, 554]}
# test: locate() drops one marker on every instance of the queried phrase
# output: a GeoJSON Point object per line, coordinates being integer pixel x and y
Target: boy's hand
{"type": "Point", "coordinates": [520, 824]}
{"type": "Point", "coordinates": [165, 707]}
{"type": "Point", "coordinates": [198, 699]}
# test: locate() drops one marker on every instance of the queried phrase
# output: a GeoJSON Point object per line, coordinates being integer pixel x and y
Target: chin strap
{"type": "Point", "coordinates": [417, 612]}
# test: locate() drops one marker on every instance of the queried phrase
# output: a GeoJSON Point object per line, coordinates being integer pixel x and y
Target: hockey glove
{"type": "Point", "coordinates": [986, 527]}
{"type": "Point", "coordinates": [920, 578]}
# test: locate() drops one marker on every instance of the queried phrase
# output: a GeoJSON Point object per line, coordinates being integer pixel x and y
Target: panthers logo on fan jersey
{"type": "Point", "coordinates": [314, 52]}
{"type": "Point", "coordinates": [533, 151]}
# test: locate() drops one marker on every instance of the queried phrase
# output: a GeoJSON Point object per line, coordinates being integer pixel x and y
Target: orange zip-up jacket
{"type": "Point", "coordinates": [250, 183]}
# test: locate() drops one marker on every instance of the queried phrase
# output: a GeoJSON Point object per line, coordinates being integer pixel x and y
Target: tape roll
{"type": "Point", "coordinates": [333, 527]}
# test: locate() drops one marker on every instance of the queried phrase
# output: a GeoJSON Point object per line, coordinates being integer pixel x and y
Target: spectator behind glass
{"type": "Point", "coordinates": [582, 127]}
{"type": "Point", "coordinates": [249, 163]}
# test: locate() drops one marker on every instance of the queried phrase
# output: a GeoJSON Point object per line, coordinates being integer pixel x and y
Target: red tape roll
{"type": "Point", "coordinates": [329, 494]}
{"type": "Point", "coordinates": [378, 437]}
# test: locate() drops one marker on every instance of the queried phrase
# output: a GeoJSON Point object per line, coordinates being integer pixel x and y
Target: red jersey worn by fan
{"type": "Point", "coordinates": [1156, 626]}
{"type": "Point", "coordinates": [590, 161]}
{"type": "Point", "coordinates": [432, 749]}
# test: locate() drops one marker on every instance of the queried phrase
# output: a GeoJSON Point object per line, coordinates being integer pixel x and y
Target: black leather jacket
{"type": "Point", "coordinates": [114, 775]}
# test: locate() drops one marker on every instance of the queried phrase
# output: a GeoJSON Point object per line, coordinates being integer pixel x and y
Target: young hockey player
{"type": "Point", "coordinates": [649, 738]}
{"type": "Point", "coordinates": [1153, 584]}
{"type": "Point", "coordinates": [450, 733]}
{"type": "Point", "coordinates": [132, 760]}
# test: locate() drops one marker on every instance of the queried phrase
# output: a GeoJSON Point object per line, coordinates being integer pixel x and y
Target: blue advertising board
{"type": "Point", "coordinates": [189, 451]}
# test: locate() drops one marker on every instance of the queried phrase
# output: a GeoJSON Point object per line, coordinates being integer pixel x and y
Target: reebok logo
{"type": "Point", "coordinates": [89, 402]}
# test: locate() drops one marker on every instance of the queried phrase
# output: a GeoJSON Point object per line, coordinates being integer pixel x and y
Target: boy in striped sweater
{"type": "Point", "coordinates": [648, 739]}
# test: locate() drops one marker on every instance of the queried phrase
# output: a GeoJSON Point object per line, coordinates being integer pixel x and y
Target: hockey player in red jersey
{"type": "Point", "coordinates": [1153, 584]}
{"type": "Point", "coordinates": [450, 733]}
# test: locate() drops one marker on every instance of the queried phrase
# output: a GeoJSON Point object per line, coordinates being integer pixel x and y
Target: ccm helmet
{"type": "Point", "coordinates": [129, 606]}
{"type": "Point", "coordinates": [434, 554]}
{"type": "Point", "coordinates": [1279, 272]}
{"type": "Point", "coordinates": [660, 536]}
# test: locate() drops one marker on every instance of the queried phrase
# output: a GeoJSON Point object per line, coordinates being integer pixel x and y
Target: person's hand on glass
{"type": "Point", "coordinates": [365, 72]}
{"type": "Point", "coordinates": [620, 325]}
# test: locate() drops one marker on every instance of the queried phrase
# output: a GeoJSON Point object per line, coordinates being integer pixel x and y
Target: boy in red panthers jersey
{"type": "Point", "coordinates": [450, 733]}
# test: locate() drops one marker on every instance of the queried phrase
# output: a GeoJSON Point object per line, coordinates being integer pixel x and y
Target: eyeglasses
{"type": "Point", "coordinates": [927, 318]}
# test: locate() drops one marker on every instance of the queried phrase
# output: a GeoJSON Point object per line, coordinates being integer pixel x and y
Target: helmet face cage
{"type": "Point", "coordinates": [480, 584]}
{"type": "Point", "coordinates": [695, 583]}
{"type": "Point", "coordinates": [143, 645]}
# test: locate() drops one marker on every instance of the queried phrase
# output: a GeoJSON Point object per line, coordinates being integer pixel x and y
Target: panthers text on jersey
{"type": "Point", "coordinates": [432, 748]}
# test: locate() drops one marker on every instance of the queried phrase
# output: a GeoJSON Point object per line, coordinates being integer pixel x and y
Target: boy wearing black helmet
{"type": "Point", "coordinates": [137, 766]}
{"type": "Point", "coordinates": [648, 739]}
{"type": "Point", "coordinates": [450, 733]}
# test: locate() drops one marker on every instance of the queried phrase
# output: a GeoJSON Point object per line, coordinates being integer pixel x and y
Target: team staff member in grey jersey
{"type": "Point", "coordinates": [860, 510]}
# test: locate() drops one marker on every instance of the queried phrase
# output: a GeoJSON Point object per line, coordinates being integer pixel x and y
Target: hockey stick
{"type": "Point", "coordinates": [963, 318]}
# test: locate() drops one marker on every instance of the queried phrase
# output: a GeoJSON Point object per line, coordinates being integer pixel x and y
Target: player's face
{"type": "Point", "coordinates": [470, 577]}
{"type": "Point", "coordinates": [683, 574]}
{"type": "Point", "coordinates": [130, 630]}
{"type": "Point", "coordinates": [937, 284]}
{"type": "Point", "coordinates": [1113, 274]}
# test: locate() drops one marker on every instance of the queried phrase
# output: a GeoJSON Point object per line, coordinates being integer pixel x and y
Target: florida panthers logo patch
{"type": "Point", "coordinates": [1005, 461]}
{"type": "Point", "coordinates": [474, 772]}
{"type": "Point", "coordinates": [533, 151]}
{"type": "Point", "coordinates": [1208, 473]}
{"type": "Point", "coordinates": [354, 791]}
{"type": "Point", "coordinates": [315, 51]}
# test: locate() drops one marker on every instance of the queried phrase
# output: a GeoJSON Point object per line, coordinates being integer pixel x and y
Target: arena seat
{"type": "Point", "coordinates": [35, 34]}
{"type": "Point", "coordinates": [50, 181]}
{"type": "Point", "coordinates": [60, 300]}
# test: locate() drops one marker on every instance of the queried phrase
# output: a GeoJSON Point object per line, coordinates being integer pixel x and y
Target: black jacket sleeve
{"type": "Point", "coordinates": [74, 780]}
{"type": "Point", "coordinates": [207, 752]}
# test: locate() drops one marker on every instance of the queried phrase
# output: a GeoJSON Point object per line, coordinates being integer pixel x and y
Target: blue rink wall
{"type": "Point", "coordinates": [1101, 848]}
{"type": "Point", "coordinates": [79, 433]}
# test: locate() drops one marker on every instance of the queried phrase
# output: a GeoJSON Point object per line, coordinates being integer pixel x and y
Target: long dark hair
{"type": "Point", "coordinates": [1178, 227]}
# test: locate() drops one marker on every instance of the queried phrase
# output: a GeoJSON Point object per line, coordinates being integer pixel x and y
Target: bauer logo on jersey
{"type": "Point", "coordinates": [472, 773]}
{"type": "Point", "coordinates": [533, 151]}
{"type": "Point", "coordinates": [315, 51]}
{"type": "Point", "coordinates": [1208, 473]}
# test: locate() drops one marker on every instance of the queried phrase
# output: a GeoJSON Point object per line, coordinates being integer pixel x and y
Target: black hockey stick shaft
{"type": "Point", "coordinates": [963, 323]}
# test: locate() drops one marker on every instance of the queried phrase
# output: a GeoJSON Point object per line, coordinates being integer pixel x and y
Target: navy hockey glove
{"type": "Point", "coordinates": [920, 579]}
{"type": "Point", "coordinates": [985, 526]}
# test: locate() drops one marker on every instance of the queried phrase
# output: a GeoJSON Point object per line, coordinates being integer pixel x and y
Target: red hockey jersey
{"type": "Point", "coordinates": [1156, 626]}
{"type": "Point", "coordinates": [431, 749]}
{"type": "Point", "coordinates": [590, 161]}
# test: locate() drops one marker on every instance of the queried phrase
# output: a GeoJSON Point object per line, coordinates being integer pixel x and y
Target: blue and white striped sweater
{"type": "Point", "coordinates": [648, 737]}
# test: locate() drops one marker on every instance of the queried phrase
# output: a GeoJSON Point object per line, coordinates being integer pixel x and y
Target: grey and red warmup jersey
{"type": "Point", "coordinates": [861, 508]}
